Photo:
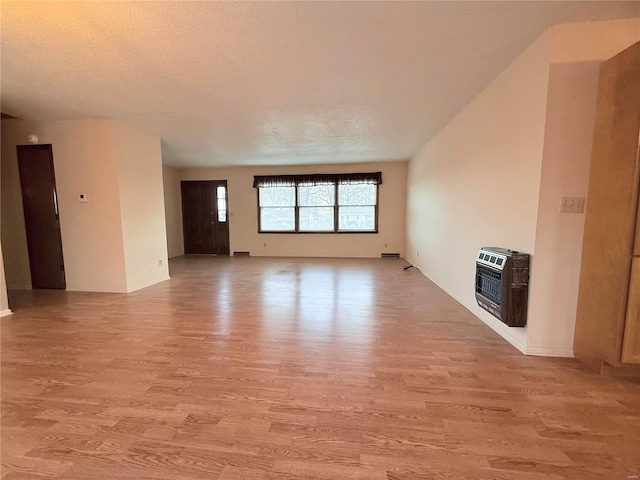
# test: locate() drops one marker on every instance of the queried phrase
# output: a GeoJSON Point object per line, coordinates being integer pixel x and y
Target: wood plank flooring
{"type": "Point", "coordinates": [306, 369]}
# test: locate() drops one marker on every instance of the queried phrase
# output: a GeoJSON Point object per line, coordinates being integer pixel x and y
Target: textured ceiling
{"type": "Point", "coordinates": [269, 83]}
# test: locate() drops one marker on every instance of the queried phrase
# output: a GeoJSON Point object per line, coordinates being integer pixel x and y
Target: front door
{"type": "Point", "coordinates": [205, 217]}
{"type": "Point", "coordinates": [41, 219]}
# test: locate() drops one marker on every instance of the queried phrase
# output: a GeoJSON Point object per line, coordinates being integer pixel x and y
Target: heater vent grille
{"type": "Point", "coordinates": [502, 280]}
{"type": "Point", "coordinates": [390, 255]}
{"type": "Point", "coordinates": [241, 254]}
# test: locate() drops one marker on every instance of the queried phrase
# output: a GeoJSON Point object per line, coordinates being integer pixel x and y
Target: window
{"type": "Point", "coordinates": [221, 197]}
{"type": "Point", "coordinates": [340, 203]}
{"type": "Point", "coordinates": [316, 207]}
{"type": "Point", "coordinates": [277, 208]}
{"type": "Point", "coordinates": [357, 206]}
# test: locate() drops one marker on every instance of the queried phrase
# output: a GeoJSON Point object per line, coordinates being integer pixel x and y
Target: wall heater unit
{"type": "Point", "coordinates": [502, 284]}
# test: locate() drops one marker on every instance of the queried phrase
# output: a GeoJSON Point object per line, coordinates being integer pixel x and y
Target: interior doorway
{"type": "Point", "coordinates": [205, 213]}
{"type": "Point", "coordinates": [41, 216]}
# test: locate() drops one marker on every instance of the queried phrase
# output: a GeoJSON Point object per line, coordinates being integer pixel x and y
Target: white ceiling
{"type": "Point", "coordinates": [269, 83]}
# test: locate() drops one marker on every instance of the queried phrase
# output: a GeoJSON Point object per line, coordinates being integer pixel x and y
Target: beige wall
{"type": "Point", "coordinates": [476, 183]}
{"type": "Point", "coordinates": [565, 173]}
{"type": "Point", "coordinates": [495, 175]}
{"type": "Point", "coordinates": [12, 232]}
{"type": "Point", "coordinates": [593, 41]}
{"type": "Point", "coordinates": [101, 239]}
{"type": "Point", "coordinates": [173, 210]}
{"type": "Point", "coordinates": [243, 219]}
{"type": "Point", "coordinates": [4, 300]}
{"type": "Point", "coordinates": [91, 232]}
{"type": "Point", "coordinates": [141, 207]}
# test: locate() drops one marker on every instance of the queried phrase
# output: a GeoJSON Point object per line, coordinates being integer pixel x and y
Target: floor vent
{"type": "Point", "coordinates": [390, 255]}
{"type": "Point", "coordinates": [240, 254]}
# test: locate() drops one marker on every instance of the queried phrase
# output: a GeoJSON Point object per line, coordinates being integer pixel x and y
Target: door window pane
{"type": "Point", "coordinates": [221, 197]}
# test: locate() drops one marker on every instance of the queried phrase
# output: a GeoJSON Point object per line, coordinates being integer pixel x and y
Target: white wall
{"type": "Point", "coordinates": [243, 218]}
{"type": "Point", "coordinates": [476, 183]}
{"type": "Point", "coordinates": [495, 174]}
{"type": "Point", "coordinates": [91, 232]}
{"type": "Point", "coordinates": [553, 293]}
{"type": "Point", "coordinates": [141, 207]}
{"type": "Point", "coordinates": [593, 41]}
{"type": "Point", "coordinates": [103, 239]}
{"type": "Point", "coordinates": [173, 210]}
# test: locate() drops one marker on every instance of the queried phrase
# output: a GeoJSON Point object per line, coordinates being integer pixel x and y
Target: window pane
{"type": "Point", "coordinates": [316, 195]}
{"type": "Point", "coordinates": [357, 218]}
{"type": "Point", "coordinates": [222, 204]}
{"type": "Point", "coordinates": [277, 196]}
{"type": "Point", "coordinates": [222, 215]}
{"type": "Point", "coordinates": [316, 219]}
{"type": "Point", "coordinates": [221, 192]}
{"type": "Point", "coordinates": [277, 219]}
{"type": "Point", "coordinates": [357, 194]}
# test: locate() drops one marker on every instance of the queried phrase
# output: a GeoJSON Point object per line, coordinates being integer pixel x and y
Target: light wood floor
{"type": "Point", "coordinates": [258, 369]}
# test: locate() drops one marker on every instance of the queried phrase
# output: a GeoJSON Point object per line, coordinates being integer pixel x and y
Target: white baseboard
{"type": "Point", "coordinates": [148, 284]}
{"type": "Point", "coordinates": [506, 332]}
{"type": "Point", "coordinates": [549, 351]}
{"type": "Point", "coordinates": [498, 327]}
{"type": "Point", "coordinates": [493, 323]}
{"type": "Point", "coordinates": [502, 330]}
{"type": "Point", "coordinates": [4, 313]}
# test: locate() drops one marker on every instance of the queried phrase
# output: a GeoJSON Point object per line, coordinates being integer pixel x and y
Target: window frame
{"type": "Point", "coordinates": [304, 180]}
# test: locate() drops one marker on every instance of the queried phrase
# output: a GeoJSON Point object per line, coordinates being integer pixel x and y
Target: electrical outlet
{"type": "Point", "coordinates": [572, 205]}
{"type": "Point", "coordinates": [417, 253]}
{"type": "Point", "coordinates": [159, 262]}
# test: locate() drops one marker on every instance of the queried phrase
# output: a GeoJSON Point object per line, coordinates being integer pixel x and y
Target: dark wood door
{"type": "Point", "coordinates": [41, 217]}
{"type": "Point", "coordinates": [205, 217]}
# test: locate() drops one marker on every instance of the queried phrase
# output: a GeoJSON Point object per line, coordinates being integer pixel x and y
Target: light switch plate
{"type": "Point", "coordinates": [572, 205]}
